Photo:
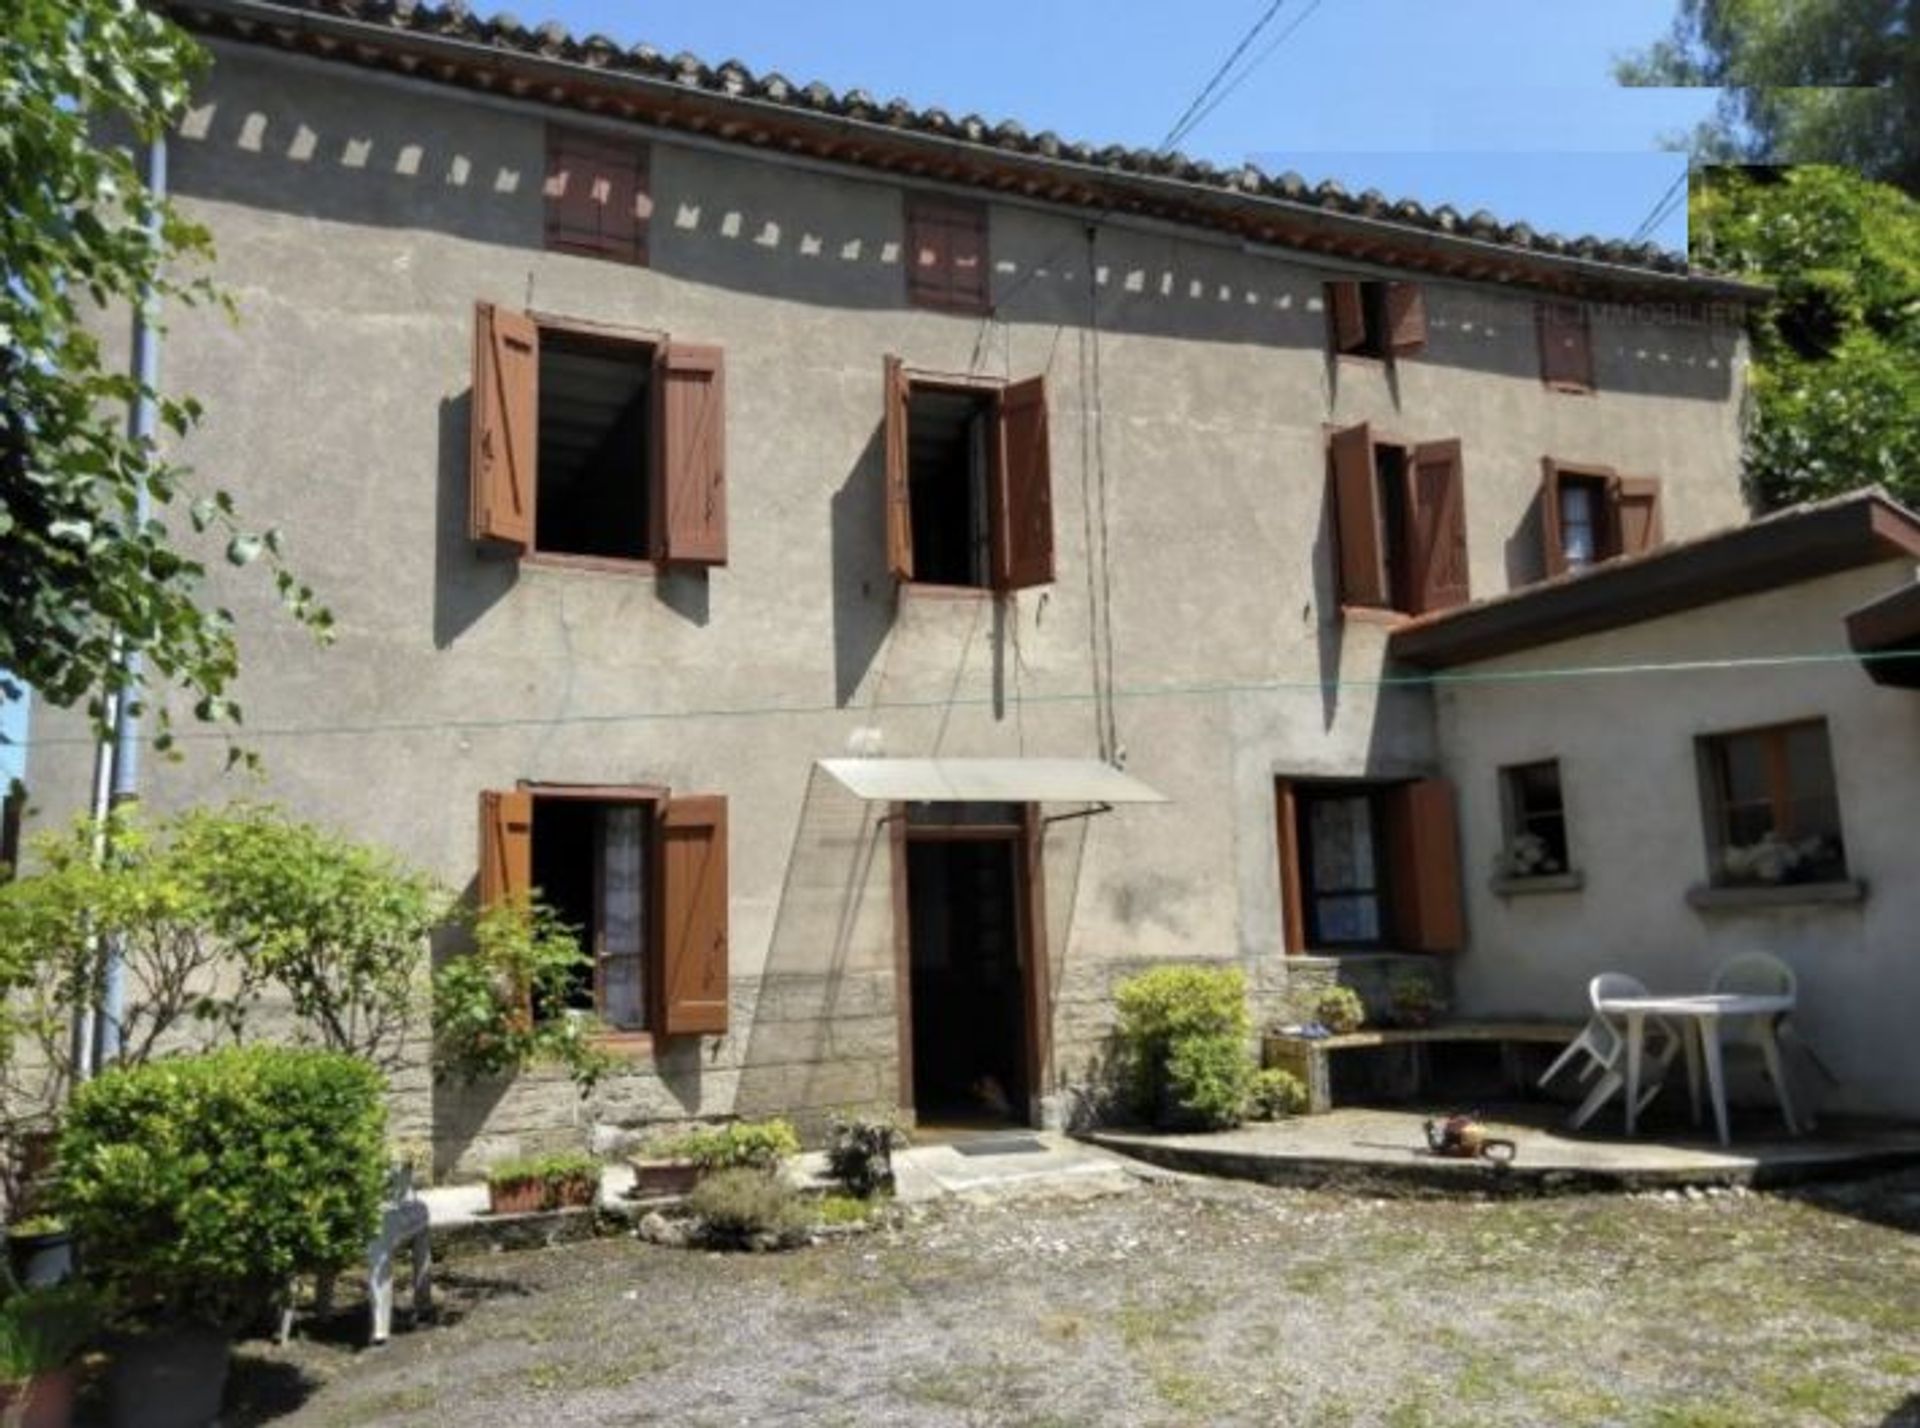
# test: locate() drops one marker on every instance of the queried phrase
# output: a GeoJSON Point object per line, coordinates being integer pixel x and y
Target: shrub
{"type": "Point", "coordinates": [199, 1186]}
{"type": "Point", "coordinates": [1340, 1010]}
{"type": "Point", "coordinates": [754, 1145]}
{"type": "Point", "coordinates": [739, 1207]}
{"type": "Point", "coordinates": [1167, 1007]}
{"type": "Point", "coordinates": [1275, 1094]}
{"type": "Point", "coordinates": [1208, 1078]}
{"type": "Point", "coordinates": [45, 1329]}
{"type": "Point", "coordinates": [860, 1152]}
{"type": "Point", "coordinates": [1414, 1000]}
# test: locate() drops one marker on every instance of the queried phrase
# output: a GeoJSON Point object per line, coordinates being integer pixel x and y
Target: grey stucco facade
{"type": "Point", "coordinates": [358, 218]}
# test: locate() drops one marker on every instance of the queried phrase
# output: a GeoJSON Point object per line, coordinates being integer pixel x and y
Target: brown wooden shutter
{"type": "Point", "coordinates": [1346, 316]}
{"type": "Point", "coordinates": [1424, 849]}
{"type": "Point", "coordinates": [896, 393]}
{"type": "Point", "coordinates": [692, 984]}
{"type": "Point", "coordinates": [946, 254]}
{"type": "Point", "coordinates": [1635, 501]}
{"type": "Point", "coordinates": [1406, 319]}
{"type": "Point", "coordinates": [1293, 910]}
{"type": "Point", "coordinates": [506, 847]}
{"type": "Point", "coordinates": [1553, 545]}
{"type": "Point", "coordinates": [1439, 506]}
{"type": "Point", "coordinates": [1566, 346]}
{"type": "Point", "coordinates": [1356, 508]}
{"type": "Point", "coordinates": [690, 468]}
{"type": "Point", "coordinates": [505, 425]}
{"type": "Point", "coordinates": [1023, 515]}
{"type": "Point", "coordinates": [597, 195]}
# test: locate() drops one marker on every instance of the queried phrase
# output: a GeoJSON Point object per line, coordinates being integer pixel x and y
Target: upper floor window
{"type": "Point", "coordinates": [1400, 521]}
{"type": "Point", "coordinates": [947, 254]}
{"type": "Point", "coordinates": [969, 480]}
{"type": "Point", "coordinates": [1376, 319]}
{"type": "Point", "coordinates": [1566, 346]}
{"type": "Point", "coordinates": [595, 443]}
{"type": "Point", "coordinates": [1773, 812]}
{"type": "Point", "coordinates": [597, 195]}
{"type": "Point", "coordinates": [1590, 513]}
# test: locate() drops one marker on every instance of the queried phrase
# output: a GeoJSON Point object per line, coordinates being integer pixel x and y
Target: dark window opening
{"type": "Point", "coordinates": [590, 865]}
{"type": "Point", "coordinates": [949, 436]}
{"type": "Point", "coordinates": [595, 419]}
{"type": "Point", "coordinates": [1536, 820]}
{"type": "Point", "coordinates": [1342, 867]}
{"type": "Point", "coordinates": [1390, 478]}
{"type": "Point", "coordinates": [1585, 533]}
{"type": "Point", "coordinates": [1773, 809]}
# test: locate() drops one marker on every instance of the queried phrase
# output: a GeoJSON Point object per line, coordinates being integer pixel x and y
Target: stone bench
{"type": "Point", "coordinates": [1308, 1057]}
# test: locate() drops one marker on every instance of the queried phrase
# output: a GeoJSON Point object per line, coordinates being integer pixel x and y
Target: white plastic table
{"type": "Point", "coordinates": [1699, 1016]}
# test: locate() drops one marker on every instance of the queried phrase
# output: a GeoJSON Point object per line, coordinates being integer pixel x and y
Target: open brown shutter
{"type": "Point", "coordinates": [1553, 544]}
{"type": "Point", "coordinates": [1424, 849]}
{"type": "Point", "coordinates": [1636, 513]}
{"type": "Point", "coordinates": [1346, 316]}
{"type": "Point", "coordinates": [1356, 508]}
{"type": "Point", "coordinates": [693, 916]}
{"type": "Point", "coordinates": [1023, 515]}
{"type": "Point", "coordinates": [506, 847]}
{"type": "Point", "coordinates": [1406, 319]}
{"type": "Point", "coordinates": [505, 425]}
{"type": "Point", "coordinates": [899, 511]}
{"type": "Point", "coordinates": [1293, 910]}
{"type": "Point", "coordinates": [1566, 347]}
{"type": "Point", "coordinates": [690, 469]}
{"type": "Point", "coordinates": [1439, 527]}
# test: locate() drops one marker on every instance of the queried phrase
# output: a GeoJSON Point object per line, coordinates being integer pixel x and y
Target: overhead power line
{"type": "Point", "coordinates": [1175, 129]}
{"type": "Point", "coordinates": [1662, 206]}
{"type": "Point", "coordinates": [1245, 73]}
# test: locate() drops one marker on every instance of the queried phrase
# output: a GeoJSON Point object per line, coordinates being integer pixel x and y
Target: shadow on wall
{"type": "Point", "coordinates": [467, 583]}
{"type": "Point", "coordinates": [1526, 548]}
{"type": "Point", "coordinates": [863, 593]}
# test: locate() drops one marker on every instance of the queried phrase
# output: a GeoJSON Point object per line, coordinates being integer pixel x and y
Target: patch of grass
{"type": "Point", "coordinates": [1195, 1396]}
{"type": "Point", "coordinates": [1699, 1415]}
{"type": "Point", "coordinates": [843, 1209]}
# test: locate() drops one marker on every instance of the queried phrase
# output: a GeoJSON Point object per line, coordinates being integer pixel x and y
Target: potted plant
{"type": "Point", "coordinates": [1340, 1010]}
{"type": "Point", "coordinates": [42, 1331]}
{"type": "Point", "coordinates": [1414, 1001]}
{"type": "Point", "coordinates": [40, 1250]}
{"type": "Point", "coordinates": [568, 1181]}
{"type": "Point", "coordinates": [514, 1187]}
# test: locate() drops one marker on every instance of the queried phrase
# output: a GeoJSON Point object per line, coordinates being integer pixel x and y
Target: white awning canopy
{"type": "Point", "coordinates": [989, 781]}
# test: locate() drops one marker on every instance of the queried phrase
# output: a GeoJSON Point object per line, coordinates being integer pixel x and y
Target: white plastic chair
{"type": "Point", "coordinates": [1761, 974]}
{"type": "Point", "coordinates": [1604, 1043]}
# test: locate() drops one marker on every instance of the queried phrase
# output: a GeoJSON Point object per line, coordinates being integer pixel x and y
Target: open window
{"type": "Point", "coordinates": [1376, 319]}
{"type": "Point", "coordinates": [596, 444]}
{"type": "Point", "coordinates": [1400, 522]}
{"type": "Point", "coordinates": [1366, 865]}
{"type": "Point", "coordinates": [642, 875]}
{"type": "Point", "coordinates": [969, 481]}
{"type": "Point", "coordinates": [1591, 513]}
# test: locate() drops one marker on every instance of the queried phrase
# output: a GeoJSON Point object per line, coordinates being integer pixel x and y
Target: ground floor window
{"type": "Point", "coordinates": [1369, 864]}
{"type": "Point", "coordinates": [1536, 820]}
{"type": "Point", "coordinates": [1342, 868]}
{"type": "Point", "coordinates": [1773, 813]}
{"type": "Point", "coordinates": [591, 865]}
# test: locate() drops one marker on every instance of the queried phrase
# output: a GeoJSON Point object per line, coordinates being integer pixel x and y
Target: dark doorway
{"type": "Point", "coordinates": [967, 987]}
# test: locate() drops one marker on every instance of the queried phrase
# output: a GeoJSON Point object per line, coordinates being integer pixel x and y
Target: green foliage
{"type": "Point", "coordinates": [1414, 999]}
{"type": "Point", "coordinates": [1209, 1077]}
{"type": "Point", "coordinates": [45, 1329]}
{"type": "Point", "coordinates": [79, 231]}
{"type": "Point", "coordinates": [736, 1207]}
{"type": "Point", "coordinates": [1836, 354]}
{"type": "Point", "coordinates": [562, 1165]}
{"type": "Point", "coordinates": [837, 1209]}
{"type": "Point", "coordinates": [33, 1226]}
{"type": "Point", "coordinates": [1163, 1009]}
{"type": "Point", "coordinates": [199, 1186]}
{"type": "Point", "coordinates": [1274, 1094]}
{"type": "Point", "coordinates": [1340, 1010]}
{"type": "Point", "coordinates": [500, 1009]}
{"type": "Point", "coordinates": [1803, 81]}
{"type": "Point", "coordinates": [860, 1151]}
{"type": "Point", "coordinates": [757, 1145]}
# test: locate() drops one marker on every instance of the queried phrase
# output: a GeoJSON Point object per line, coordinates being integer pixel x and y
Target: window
{"type": "Point", "coordinates": [1400, 522]}
{"type": "Point", "coordinates": [969, 483]}
{"type": "Point", "coordinates": [1370, 319]}
{"type": "Point", "coordinates": [947, 254]}
{"type": "Point", "coordinates": [1566, 346]}
{"type": "Point", "coordinates": [596, 444]}
{"type": "Point", "coordinates": [1369, 864]}
{"type": "Point", "coordinates": [1773, 815]}
{"type": "Point", "coordinates": [1589, 514]}
{"type": "Point", "coordinates": [642, 875]}
{"type": "Point", "coordinates": [1536, 820]}
{"type": "Point", "coordinates": [597, 195]}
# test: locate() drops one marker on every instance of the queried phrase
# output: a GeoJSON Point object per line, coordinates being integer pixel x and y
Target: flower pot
{"type": "Point", "coordinates": [516, 1197]}
{"type": "Point", "coordinates": [169, 1378]}
{"type": "Point", "coordinates": [575, 1192]}
{"type": "Point", "coordinates": [43, 1401]}
{"type": "Point", "coordinates": [664, 1177]}
{"type": "Point", "coordinates": [43, 1260]}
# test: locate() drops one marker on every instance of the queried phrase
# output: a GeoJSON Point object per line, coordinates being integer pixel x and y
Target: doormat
{"type": "Point", "coordinates": [1000, 1145]}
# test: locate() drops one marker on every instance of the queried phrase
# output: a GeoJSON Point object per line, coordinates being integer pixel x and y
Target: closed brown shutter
{"type": "Point", "coordinates": [899, 512]}
{"type": "Point", "coordinates": [1424, 851]}
{"type": "Point", "coordinates": [1636, 514]}
{"type": "Point", "coordinates": [1566, 347]}
{"type": "Point", "coordinates": [1406, 319]}
{"type": "Point", "coordinates": [1440, 578]}
{"type": "Point", "coordinates": [506, 847]}
{"type": "Point", "coordinates": [1356, 507]}
{"type": "Point", "coordinates": [505, 425]}
{"type": "Point", "coordinates": [1293, 912]}
{"type": "Point", "coordinates": [1346, 316]}
{"type": "Point", "coordinates": [946, 256]}
{"type": "Point", "coordinates": [1023, 518]}
{"type": "Point", "coordinates": [1553, 545]}
{"type": "Point", "coordinates": [693, 916]}
{"type": "Point", "coordinates": [690, 470]}
{"type": "Point", "coordinates": [597, 195]}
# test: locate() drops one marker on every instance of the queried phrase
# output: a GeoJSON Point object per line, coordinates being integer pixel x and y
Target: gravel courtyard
{"type": "Point", "coordinates": [1180, 1302]}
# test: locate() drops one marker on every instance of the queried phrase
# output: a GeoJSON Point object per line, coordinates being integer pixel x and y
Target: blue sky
{"type": "Point", "coordinates": [1507, 105]}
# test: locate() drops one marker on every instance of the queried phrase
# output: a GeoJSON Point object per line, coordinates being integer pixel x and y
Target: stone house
{"type": "Point", "coordinates": [889, 576]}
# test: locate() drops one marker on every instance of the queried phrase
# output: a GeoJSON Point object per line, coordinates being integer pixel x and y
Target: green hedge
{"type": "Point", "coordinates": [199, 1186]}
{"type": "Point", "coordinates": [1183, 1033]}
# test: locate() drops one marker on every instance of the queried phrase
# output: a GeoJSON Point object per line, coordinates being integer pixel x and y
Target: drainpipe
{"type": "Point", "coordinates": [142, 427]}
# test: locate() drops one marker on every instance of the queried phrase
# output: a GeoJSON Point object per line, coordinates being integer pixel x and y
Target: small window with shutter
{"type": "Point", "coordinates": [946, 254]}
{"type": "Point", "coordinates": [1367, 864]}
{"type": "Point", "coordinates": [1589, 514]}
{"type": "Point", "coordinates": [1566, 346]}
{"type": "Point", "coordinates": [597, 195]}
{"type": "Point", "coordinates": [596, 445]}
{"type": "Point", "coordinates": [1376, 319]}
{"type": "Point", "coordinates": [1400, 522]}
{"type": "Point", "coordinates": [969, 480]}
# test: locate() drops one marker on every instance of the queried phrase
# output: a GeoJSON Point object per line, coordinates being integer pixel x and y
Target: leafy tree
{"type": "Point", "coordinates": [1836, 354]}
{"type": "Point", "coordinates": [1806, 81]}
{"type": "Point", "coordinates": [81, 238]}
